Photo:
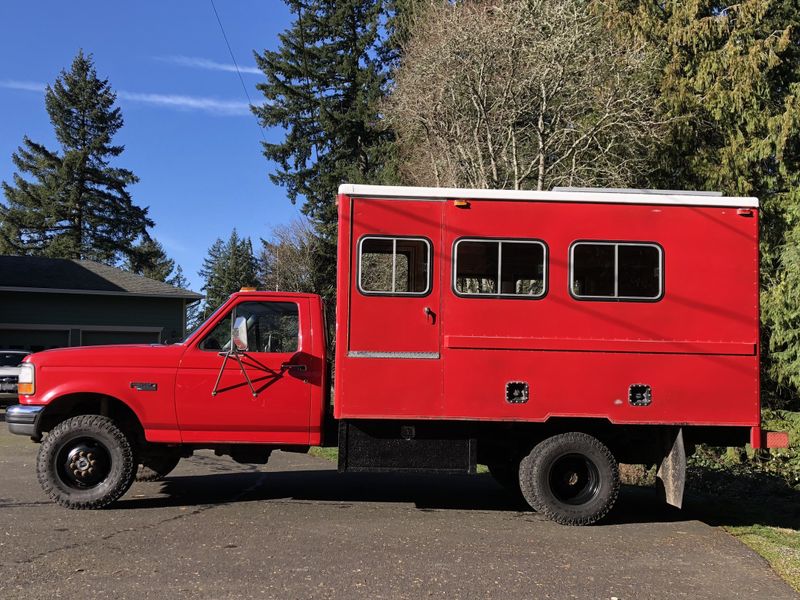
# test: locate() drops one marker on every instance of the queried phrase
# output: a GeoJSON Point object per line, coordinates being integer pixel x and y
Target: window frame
{"type": "Point", "coordinates": [616, 298]}
{"type": "Point", "coordinates": [499, 295]}
{"type": "Point", "coordinates": [394, 238]}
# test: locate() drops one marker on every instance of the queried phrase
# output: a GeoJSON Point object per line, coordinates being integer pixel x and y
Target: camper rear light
{"type": "Point", "coordinates": [26, 384]}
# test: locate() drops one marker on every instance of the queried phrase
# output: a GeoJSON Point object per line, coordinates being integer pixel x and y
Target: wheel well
{"type": "Point", "coordinates": [72, 405]}
{"type": "Point", "coordinates": [637, 444]}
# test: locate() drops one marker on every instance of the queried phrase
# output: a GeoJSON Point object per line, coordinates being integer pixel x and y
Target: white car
{"type": "Point", "coordinates": [9, 373]}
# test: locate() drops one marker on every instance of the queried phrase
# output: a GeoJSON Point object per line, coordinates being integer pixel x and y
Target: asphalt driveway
{"type": "Point", "coordinates": [297, 529]}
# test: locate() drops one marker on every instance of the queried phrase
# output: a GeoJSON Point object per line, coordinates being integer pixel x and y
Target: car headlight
{"type": "Point", "coordinates": [26, 384]}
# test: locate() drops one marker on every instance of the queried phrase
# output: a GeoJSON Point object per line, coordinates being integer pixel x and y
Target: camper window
{"type": "Point", "coordinates": [394, 266]}
{"type": "Point", "coordinates": [499, 268]}
{"type": "Point", "coordinates": [616, 271]}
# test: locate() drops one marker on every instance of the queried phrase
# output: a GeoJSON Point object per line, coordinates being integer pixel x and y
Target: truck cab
{"type": "Point", "coordinates": [148, 405]}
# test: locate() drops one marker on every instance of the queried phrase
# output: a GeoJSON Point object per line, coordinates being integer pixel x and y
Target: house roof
{"type": "Point", "coordinates": [63, 276]}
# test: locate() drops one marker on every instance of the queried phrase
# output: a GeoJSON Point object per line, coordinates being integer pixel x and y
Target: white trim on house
{"type": "Point", "coordinates": [608, 196]}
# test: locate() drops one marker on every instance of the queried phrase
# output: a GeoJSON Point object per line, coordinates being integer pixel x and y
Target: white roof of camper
{"type": "Point", "coordinates": [610, 196]}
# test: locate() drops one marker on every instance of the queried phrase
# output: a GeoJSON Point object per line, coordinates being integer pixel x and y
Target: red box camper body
{"type": "Point", "coordinates": [445, 355]}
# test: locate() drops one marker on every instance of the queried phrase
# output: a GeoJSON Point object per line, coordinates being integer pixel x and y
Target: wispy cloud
{"type": "Point", "coordinates": [212, 105]}
{"type": "Point", "coordinates": [28, 86]}
{"type": "Point", "coordinates": [196, 62]}
{"type": "Point", "coordinates": [215, 106]}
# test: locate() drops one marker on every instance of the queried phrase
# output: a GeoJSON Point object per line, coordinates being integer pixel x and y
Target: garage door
{"type": "Point", "coordinates": [34, 340]}
{"type": "Point", "coordinates": [102, 338]}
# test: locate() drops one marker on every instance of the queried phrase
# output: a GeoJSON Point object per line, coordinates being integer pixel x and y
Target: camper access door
{"type": "Point", "coordinates": [394, 306]}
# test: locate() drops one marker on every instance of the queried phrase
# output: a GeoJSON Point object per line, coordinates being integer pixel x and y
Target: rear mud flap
{"type": "Point", "coordinates": [671, 474]}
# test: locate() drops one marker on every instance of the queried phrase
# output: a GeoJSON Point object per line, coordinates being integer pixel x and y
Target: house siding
{"type": "Point", "coordinates": [35, 321]}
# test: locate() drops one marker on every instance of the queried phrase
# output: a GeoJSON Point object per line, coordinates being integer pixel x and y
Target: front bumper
{"type": "Point", "coordinates": [22, 419]}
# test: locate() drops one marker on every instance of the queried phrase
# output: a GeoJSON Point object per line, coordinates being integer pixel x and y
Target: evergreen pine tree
{"type": "Point", "coordinates": [194, 310]}
{"type": "Point", "coordinates": [149, 259]}
{"type": "Point", "coordinates": [178, 279]}
{"type": "Point", "coordinates": [229, 266]}
{"type": "Point", "coordinates": [323, 88]}
{"type": "Point", "coordinates": [74, 203]}
{"type": "Point", "coordinates": [731, 86]}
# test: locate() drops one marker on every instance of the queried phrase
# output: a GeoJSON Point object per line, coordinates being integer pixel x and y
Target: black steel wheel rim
{"type": "Point", "coordinates": [574, 479]}
{"type": "Point", "coordinates": [83, 463]}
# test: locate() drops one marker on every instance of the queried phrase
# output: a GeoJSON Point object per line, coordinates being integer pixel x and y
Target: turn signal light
{"type": "Point", "coordinates": [26, 384]}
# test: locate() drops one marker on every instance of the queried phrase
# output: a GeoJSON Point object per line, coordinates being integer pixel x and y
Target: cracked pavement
{"type": "Point", "coordinates": [297, 529]}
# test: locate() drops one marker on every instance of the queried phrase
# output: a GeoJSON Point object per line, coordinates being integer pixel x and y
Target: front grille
{"type": "Point", "coordinates": [8, 383]}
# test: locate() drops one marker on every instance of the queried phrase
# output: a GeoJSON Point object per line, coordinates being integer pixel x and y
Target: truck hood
{"type": "Point", "coordinates": [127, 355]}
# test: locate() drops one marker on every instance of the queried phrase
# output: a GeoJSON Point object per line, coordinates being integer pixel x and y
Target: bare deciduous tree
{"type": "Point", "coordinates": [521, 94]}
{"type": "Point", "coordinates": [287, 260]}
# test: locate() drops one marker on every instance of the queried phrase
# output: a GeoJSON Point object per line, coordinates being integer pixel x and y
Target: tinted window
{"type": "Point", "coordinates": [219, 339]}
{"type": "Point", "coordinates": [394, 266]}
{"type": "Point", "coordinates": [477, 267]}
{"type": "Point", "coordinates": [500, 268]}
{"type": "Point", "coordinates": [593, 270]}
{"type": "Point", "coordinates": [611, 270]}
{"type": "Point", "coordinates": [639, 271]}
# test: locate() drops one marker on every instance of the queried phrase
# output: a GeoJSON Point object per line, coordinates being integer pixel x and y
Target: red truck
{"type": "Point", "coordinates": [547, 335]}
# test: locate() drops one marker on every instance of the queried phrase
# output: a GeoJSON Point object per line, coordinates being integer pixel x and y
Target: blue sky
{"type": "Point", "coordinates": [188, 133]}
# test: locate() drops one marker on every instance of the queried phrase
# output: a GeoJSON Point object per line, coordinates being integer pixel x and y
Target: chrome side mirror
{"type": "Point", "coordinates": [239, 334]}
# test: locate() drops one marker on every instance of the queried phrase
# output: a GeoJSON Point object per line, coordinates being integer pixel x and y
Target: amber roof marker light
{"type": "Point", "coordinates": [461, 203]}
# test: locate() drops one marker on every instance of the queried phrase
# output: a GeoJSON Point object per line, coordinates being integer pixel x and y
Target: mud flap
{"type": "Point", "coordinates": [671, 474]}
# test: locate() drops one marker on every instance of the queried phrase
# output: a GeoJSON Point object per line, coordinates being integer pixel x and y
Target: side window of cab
{"type": "Point", "coordinates": [272, 327]}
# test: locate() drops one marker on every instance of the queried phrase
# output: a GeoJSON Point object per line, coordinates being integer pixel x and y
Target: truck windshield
{"type": "Point", "coordinates": [200, 326]}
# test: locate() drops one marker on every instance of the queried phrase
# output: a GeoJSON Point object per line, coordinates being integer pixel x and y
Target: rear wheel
{"type": "Point", "coordinates": [571, 478]}
{"type": "Point", "coordinates": [155, 468]}
{"type": "Point", "coordinates": [85, 462]}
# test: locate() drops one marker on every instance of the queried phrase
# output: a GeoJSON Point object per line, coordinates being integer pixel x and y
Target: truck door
{"type": "Point", "coordinates": [278, 362]}
{"type": "Point", "coordinates": [394, 308]}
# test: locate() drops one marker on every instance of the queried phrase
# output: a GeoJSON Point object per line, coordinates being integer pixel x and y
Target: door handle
{"type": "Point", "coordinates": [293, 367]}
{"type": "Point", "coordinates": [429, 313]}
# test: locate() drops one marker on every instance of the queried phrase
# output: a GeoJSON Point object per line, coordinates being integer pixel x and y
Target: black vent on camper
{"type": "Point", "coordinates": [517, 392]}
{"type": "Point", "coordinates": [639, 394]}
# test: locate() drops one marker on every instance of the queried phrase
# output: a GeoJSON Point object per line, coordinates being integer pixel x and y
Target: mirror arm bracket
{"type": "Point", "coordinates": [237, 356]}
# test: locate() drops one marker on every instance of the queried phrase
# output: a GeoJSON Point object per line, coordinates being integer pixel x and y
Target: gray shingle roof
{"type": "Point", "coordinates": [80, 276]}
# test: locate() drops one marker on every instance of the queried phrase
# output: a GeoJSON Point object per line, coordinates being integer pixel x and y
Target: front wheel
{"type": "Point", "coordinates": [86, 462]}
{"type": "Point", "coordinates": [571, 478]}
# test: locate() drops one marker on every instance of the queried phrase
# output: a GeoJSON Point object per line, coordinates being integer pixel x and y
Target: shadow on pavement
{"type": "Point", "coordinates": [740, 498]}
{"type": "Point", "coordinates": [425, 492]}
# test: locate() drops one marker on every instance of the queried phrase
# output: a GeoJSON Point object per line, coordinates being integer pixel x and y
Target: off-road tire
{"type": "Point", "coordinates": [155, 468]}
{"type": "Point", "coordinates": [547, 472]}
{"type": "Point", "coordinates": [119, 458]}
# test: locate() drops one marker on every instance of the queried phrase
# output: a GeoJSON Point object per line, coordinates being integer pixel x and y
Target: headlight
{"type": "Point", "coordinates": [26, 385]}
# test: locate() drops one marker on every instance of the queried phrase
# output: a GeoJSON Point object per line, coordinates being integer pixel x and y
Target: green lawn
{"type": "Point", "coordinates": [780, 546]}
